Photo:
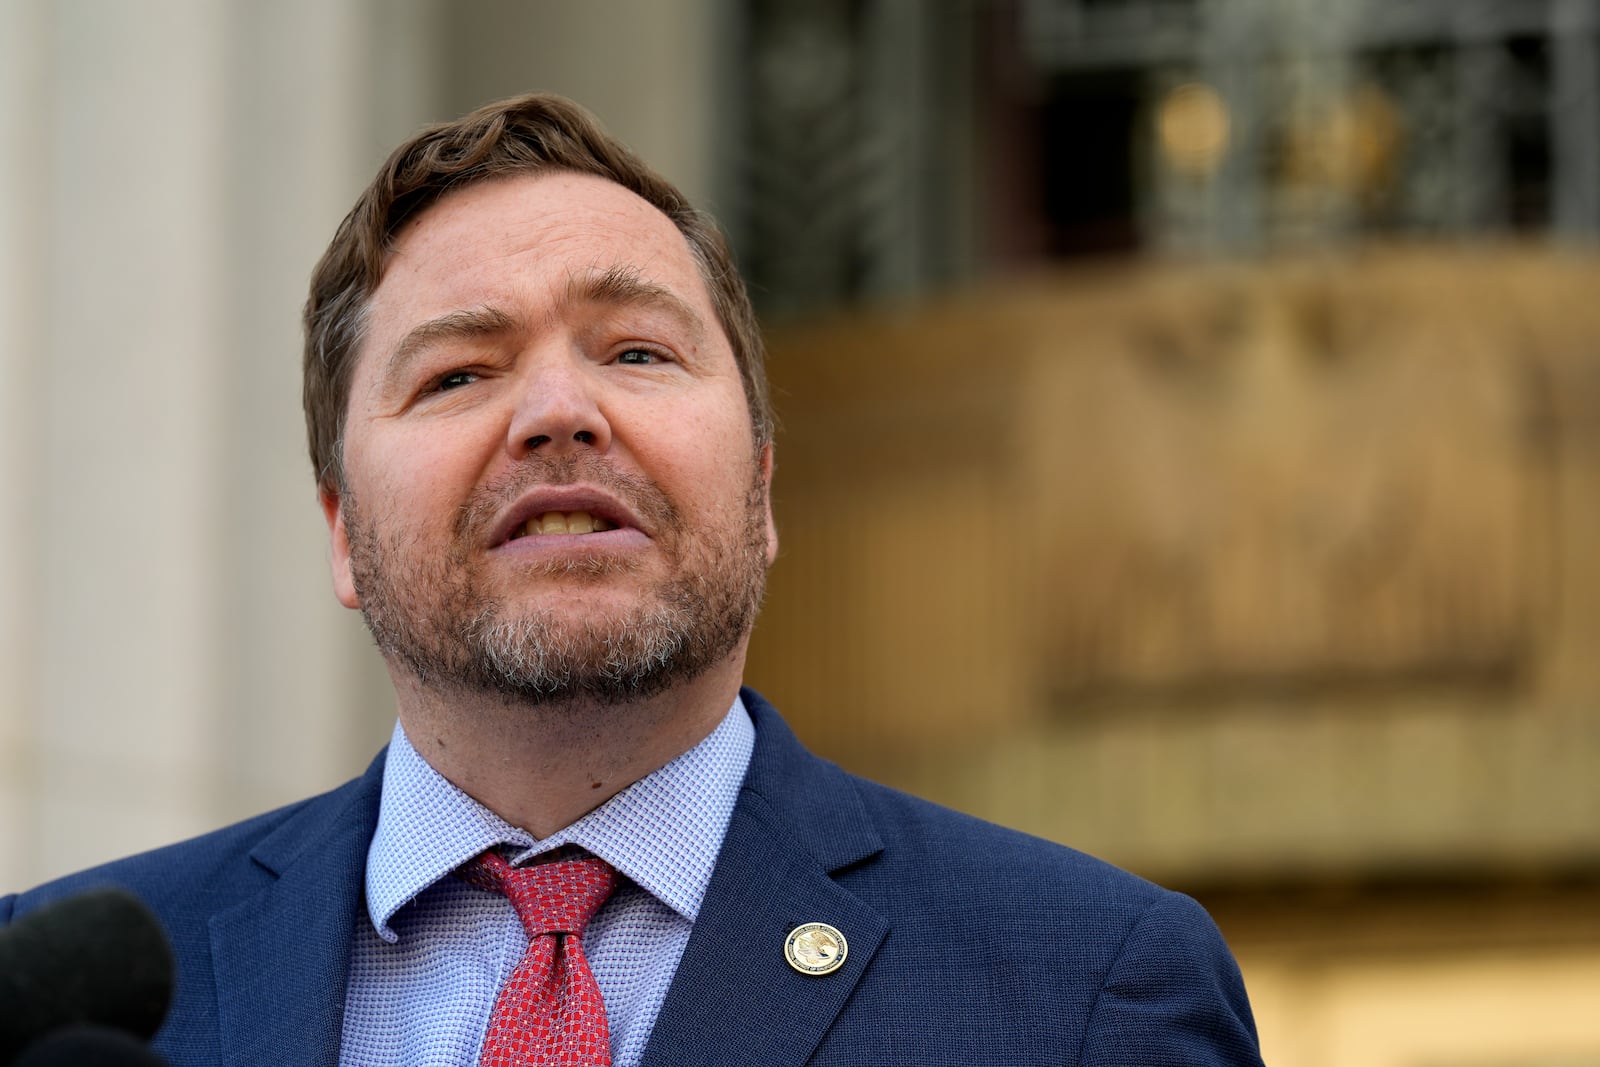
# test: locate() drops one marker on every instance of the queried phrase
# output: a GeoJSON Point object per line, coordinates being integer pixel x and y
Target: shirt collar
{"type": "Point", "coordinates": [663, 832]}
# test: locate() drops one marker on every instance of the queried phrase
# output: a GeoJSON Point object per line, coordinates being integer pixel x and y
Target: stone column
{"type": "Point", "coordinates": [170, 656]}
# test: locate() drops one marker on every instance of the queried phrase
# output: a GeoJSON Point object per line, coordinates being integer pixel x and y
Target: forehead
{"type": "Point", "coordinates": [521, 239]}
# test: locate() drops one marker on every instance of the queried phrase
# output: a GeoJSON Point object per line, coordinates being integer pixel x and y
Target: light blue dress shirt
{"type": "Point", "coordinates": [425, 971]}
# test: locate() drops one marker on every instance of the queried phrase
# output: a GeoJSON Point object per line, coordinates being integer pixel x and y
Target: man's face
{"type": "Point", "coordinates": [551, 487]}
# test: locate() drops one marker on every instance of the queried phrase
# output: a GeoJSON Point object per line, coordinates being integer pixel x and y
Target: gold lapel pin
{"type": "Point", "coordinates": [815, 948]}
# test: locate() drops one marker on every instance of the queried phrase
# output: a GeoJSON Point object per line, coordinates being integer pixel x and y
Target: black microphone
{"type": "Point", "coordinates": [88, 1045]}
{"type": "Point", "coordinates": [99, 957]}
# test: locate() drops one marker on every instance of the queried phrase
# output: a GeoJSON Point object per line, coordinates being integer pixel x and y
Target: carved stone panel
{"type": "Point", "coordinates": [1219, 572]}
{"type": "Point", "coordinates": [1295, 476]}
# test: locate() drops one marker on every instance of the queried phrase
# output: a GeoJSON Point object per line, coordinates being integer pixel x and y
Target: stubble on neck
{"type": "Point", "coordinates": [545, 766]}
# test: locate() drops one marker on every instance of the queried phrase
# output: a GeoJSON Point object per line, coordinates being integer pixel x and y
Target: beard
{"type": "Point", "coordinates": [435, 614]}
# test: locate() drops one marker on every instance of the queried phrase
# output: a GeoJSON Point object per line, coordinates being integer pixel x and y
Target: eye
{"type": "Point", "coordinates": [638, 357]}
{"type": "Point", "coordinates": [454, 380]}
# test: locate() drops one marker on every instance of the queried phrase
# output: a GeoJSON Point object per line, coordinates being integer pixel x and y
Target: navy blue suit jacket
{"type": "Point", "coordinates": [968, 943]}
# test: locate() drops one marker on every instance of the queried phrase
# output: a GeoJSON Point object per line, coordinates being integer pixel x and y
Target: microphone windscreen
{"type": "Point", "coordinates": [99, 957]}
{"type": "Point", "coordinates": [87, 1045]}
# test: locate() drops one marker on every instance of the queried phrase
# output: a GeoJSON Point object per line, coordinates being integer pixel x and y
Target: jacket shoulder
{"type": "Point", "coordinates": [946, 861]}
{"type": "Point", "coordinates": [199, 872]}
{"type": "Point", "coordinates": [1086, 962]}
{"type": "Point", "coordinates": [928, 849]}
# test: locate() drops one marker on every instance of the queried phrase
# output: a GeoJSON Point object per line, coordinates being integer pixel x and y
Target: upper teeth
{"type": "Point", "coordinates": [563, 522]}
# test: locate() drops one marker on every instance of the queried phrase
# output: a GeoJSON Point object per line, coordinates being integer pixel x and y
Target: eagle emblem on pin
{"type": "Point", "coordinates": [815, 948]}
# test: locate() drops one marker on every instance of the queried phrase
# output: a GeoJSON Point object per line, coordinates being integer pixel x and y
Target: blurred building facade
{"type": "Point", "coordinates": [1191, 439]}
{"type": "Point", "coordinates": [1229, 510]}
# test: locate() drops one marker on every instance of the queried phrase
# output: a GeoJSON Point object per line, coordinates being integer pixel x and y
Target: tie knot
{"type": "Point", "coordinates": [550, 898]}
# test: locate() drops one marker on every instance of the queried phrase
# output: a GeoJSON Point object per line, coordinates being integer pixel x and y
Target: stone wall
{"type": "Point", "coordinates": [1226, 573]}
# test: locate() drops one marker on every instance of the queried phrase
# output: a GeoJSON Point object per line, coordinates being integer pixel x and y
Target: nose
{"type": "Point", "coordinates": [557, 407]}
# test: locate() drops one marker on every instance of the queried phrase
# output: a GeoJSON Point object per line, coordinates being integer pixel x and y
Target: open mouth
{"type": "Point", "coordinates": [562, 522]}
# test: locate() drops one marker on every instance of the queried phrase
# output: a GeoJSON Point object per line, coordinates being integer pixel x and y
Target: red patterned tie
{"type": "Point", "coordinates": [549, 1013]}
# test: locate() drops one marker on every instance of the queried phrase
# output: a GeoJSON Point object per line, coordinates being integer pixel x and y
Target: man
{"type": "Point", "coordinates": [539, 420]}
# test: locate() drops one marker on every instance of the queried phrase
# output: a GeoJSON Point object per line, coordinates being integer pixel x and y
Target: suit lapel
{"type": "Point", "coordinates": [282, 957]}
{"type": "Point", "coordinates": [735, 999]}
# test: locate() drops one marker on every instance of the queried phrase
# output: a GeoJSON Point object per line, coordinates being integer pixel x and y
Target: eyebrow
{"type": "Point", "coordinates": [465, 325]}
{"type": "Point", "coordinates": [625, 287]}
{"type": "Point", "coordinates": [616, 286]}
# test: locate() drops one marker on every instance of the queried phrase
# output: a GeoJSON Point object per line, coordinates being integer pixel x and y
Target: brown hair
{"type": "Point", "coordinates": [524, 135]}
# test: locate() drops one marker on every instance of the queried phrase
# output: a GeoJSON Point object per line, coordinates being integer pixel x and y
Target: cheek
{"type": "Point", "coordinates": [414, 478]}
{"type": "Point", "coordinates": [705, 458]}
{"type": "Point", "coordinates": [722, 489]}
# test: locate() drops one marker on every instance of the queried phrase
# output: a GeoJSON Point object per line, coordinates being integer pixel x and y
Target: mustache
{"type": "Point", "coordinates": [535, 471]}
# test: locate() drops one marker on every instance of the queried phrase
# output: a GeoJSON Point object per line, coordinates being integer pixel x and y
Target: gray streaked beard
{"type": "Point", "coordinates": [431, 614]}
{"type": "Point", "coordinates": [535, 659]}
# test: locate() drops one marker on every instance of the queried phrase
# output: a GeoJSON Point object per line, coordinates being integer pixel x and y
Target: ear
{"type": "Point", "coordinates": [344, 586]}
{"type": "Point", "coordinates": [767, 464]}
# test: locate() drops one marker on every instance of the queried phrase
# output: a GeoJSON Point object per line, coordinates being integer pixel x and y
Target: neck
{"type": "Point", "coordinates": [542, 767]}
